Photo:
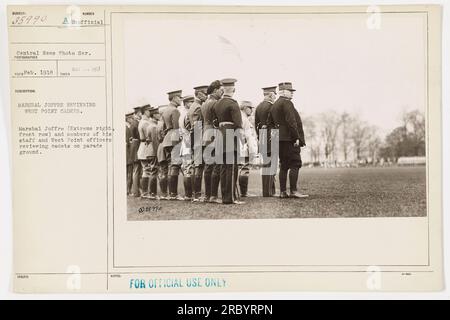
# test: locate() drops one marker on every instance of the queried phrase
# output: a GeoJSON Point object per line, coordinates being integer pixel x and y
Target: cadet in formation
{"type": "Point", "coordinates": [212, 173]}
{"type": "Point", "coordinates": [228, 116]}
{"type": "Point", "coordinates": [263, 132]}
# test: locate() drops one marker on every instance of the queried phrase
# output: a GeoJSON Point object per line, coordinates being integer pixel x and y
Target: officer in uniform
{"type": "Point", "coordinates": [152, 140]}
{"type": "Point", "coordinates": [228, 115]}
{"type": "Point", "coordinates": [211, 171]}
{"type": "Point", "coordinates": [171, 143]}
{"type": "Point", "coordinates": [145, 149]}
{"type": "Point", "coordinates": [128, 140]}
{"type": "Point", "coordinates": [291, 138]}
{"type": "Point", "coordinates": [134, 145]}
{"type": "Point", "coordinates": [263, 133]}
{"type": "Point", "coordinates": [249, 147]}
{"type": "Point", "coordinates": [187, 166]}
{"type": "Point", "coordinates": [184, 110]}
{"type": "Point", "coordinates": [195, 119]}
{"type": "Point", "coordinates": [163, 166]}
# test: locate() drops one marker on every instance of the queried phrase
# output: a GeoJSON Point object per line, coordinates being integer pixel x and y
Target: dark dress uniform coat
{"type": "Point", "coordinates": [226, 110]}
{"type": "Point", "coordinates": [207, 110]}
{"type": "Point", "coordinates": [228, 115]}
{"type": "Point", "coordinates": [300, 128]}
{"type": "Point", "coordinates": [283, 116]}
{"type": "Point", "coordinates": [262, 120]}
{"type": "Point", "coordinates": [212, 170]}
{"type": "Point", "coordinates": [262, 115]}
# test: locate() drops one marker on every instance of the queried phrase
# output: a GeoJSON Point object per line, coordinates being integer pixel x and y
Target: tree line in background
{"type": "Point", "coordinates": [341, 138]}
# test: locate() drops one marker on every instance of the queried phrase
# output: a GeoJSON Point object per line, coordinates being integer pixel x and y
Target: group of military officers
{"type": "Point", "coordinates": [191, 136]}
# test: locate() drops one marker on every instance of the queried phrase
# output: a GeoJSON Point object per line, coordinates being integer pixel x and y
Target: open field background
{"type": "Point", "coordinates": [337, 192]}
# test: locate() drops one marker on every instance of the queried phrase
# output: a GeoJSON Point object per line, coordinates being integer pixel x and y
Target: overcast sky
{"type": "Point", "coordinates": [334, 61]}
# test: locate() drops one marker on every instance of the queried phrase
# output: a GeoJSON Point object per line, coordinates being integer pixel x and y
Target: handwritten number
{"type": "Point", "coordinates": [28, 20]}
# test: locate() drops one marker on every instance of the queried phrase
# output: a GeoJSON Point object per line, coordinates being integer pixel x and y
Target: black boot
{"type": "Point", "coordinates": [153, 189]}
{"type": "Point", "coordinates": [267, 185]}
{"type": "Point", "coordinates": [273, 188]}
{"type": "Point", "coordinates": [187, 188]}
{"type": "Point", "coordinates": [283, 180]}
{"type": "Point", "coordinates": [207, 178]}
{"type": "Point", "coordinates": [144, 187]}
{"type": "Point", "coordinates": [163, 186]}
{"type": "Point", "coordinates": [293, 178]}
{"type": "Point", "coordinates": [173, 186]}
{"type": "Point", "coordinates": [243, 185]}
{"type": "Point", "coordinates": [215, 181]}
{"type": "Point", "coordinates": [197, 186]}
{"type": "Point", "coordinates": [193, 186]}
{"type": "Point", "coordinates": [197, 183]}
{"type": "Point", "coordinates": [223, 182]}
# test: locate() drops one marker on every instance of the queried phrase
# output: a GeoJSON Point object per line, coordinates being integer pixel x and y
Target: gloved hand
{"type": "Point", "coordinates": [255, 159]}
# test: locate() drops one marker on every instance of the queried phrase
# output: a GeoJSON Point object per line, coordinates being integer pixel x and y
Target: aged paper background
{"type": "Point", "coordinates": [74, 214]}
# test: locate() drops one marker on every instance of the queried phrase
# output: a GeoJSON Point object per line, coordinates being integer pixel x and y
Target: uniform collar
{"type": "Point", "coordinates": [215, 97]}
{"type": "Point", "coordinates": [268, 100]}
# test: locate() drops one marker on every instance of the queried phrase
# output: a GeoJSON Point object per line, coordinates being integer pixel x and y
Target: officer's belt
{"type": "Point", "coordinates": [226, 123]}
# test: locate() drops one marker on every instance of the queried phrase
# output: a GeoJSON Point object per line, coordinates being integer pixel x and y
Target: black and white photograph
{"type": "Point", "coordinates": [260, 116]}
{"type": "Point", "coordinates": [207, 149]}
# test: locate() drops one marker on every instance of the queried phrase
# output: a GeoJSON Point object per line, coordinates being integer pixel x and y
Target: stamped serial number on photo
{"type": "Point", "coordinates": [143, 210]}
